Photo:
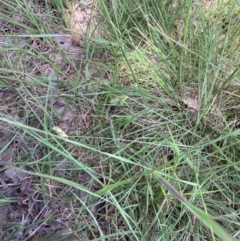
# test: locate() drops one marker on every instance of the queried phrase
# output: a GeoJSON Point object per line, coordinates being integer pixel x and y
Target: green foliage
{"type": "Point", "coordinates": [143, 125]}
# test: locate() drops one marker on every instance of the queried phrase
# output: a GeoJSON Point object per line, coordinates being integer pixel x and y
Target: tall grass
{"type": "Point", "coordinates": [143, 163]}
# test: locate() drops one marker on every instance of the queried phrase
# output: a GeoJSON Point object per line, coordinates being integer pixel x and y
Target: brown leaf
{"type": "Point", "coordinates": [191, 103]}
{"type": "Point", "coordinates": [66, 113]}
{"type": "Point", "coordinates": [15, 175]}
{"type": "Point", "coordinates": [6, 157]}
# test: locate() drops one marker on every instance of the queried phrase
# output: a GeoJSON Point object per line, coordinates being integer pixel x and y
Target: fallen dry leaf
{"type": "Point", "coordinates": [6, 157]}
{"type": "Point", "coordinates": [15, 175]}
{"type": "Point", "coordinates": [191, 103]}
{"type": "Point", "coordinates": [66, 113]}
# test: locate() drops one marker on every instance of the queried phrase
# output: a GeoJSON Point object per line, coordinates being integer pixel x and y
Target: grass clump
{"type": "Point", "coordinates": [133, 136]}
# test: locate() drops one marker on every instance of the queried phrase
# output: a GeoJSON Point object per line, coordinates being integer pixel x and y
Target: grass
{"type": "Point", "coordinates": [133, 137]}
